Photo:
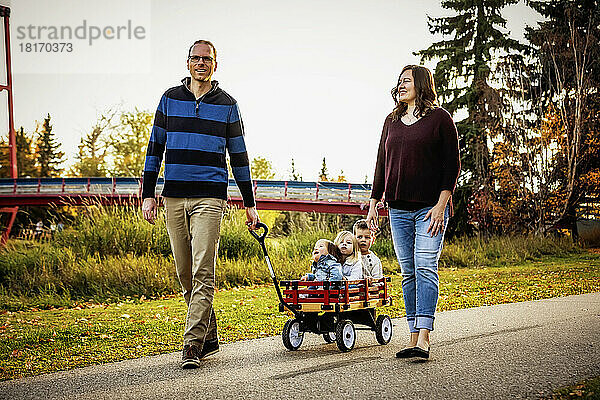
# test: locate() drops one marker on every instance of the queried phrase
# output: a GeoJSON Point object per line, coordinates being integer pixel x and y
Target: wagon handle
{"type": "Point", "coordinates": [261, 240]}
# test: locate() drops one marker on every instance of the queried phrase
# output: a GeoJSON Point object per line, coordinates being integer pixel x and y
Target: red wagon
{"type": "Point", "coordinates": [333, 309]}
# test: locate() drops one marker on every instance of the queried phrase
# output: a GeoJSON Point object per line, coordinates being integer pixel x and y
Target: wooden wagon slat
{"type": "Point", "coordinates": [316, 307]}
{"type": "Point", "coordinates": [311, 296]}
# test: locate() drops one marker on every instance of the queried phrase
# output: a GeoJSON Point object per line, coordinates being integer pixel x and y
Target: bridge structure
{"type": "Point", "coordinates": [12, 145]}
{"type": "Point", "coordinates": [323, 197]}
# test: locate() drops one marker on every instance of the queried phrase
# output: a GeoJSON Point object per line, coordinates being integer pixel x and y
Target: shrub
{"type": "Point", "coordinates": [112, 251]}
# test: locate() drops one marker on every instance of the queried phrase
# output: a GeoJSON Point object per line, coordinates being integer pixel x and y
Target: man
{"type": "Point", "coordinates": [194, 125]}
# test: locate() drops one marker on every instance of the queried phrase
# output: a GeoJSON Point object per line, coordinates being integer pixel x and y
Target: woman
{"type": "Point", "coordinates": [417, 166]}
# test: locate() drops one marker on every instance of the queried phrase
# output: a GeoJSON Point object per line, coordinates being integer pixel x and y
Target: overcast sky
{"type": "Point", "coordinates": [312, 77]}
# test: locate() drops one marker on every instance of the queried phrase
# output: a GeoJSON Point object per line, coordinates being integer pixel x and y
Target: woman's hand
{"type": "Point", "coordinates": [372, 215]}
{"type": "Point", "coordinates": [437, 219]}
{"type": "Point", "coordinates": [437, 214]}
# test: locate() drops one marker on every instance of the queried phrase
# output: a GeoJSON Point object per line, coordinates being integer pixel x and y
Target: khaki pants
{"type": "Point", "coordinates": [194, 226]}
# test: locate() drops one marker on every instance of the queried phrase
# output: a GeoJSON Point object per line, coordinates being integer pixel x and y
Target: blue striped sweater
{"type": "Point", "coordinates": [194, 136]}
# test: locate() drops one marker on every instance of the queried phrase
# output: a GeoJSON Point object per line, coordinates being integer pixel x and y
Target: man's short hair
{"type": "Point", "coordinates": [360, 224]}
{"type": "Point", "coordinates": [206, 42]}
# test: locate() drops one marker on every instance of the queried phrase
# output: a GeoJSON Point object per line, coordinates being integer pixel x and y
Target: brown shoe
{"type": "Point", "coordinates": [210, 347]}
{"type": "Point", "coordinates": [191, 356]}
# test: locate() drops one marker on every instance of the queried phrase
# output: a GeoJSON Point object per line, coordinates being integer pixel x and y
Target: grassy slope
{"type": "Point", "coordinates": [33, 342]}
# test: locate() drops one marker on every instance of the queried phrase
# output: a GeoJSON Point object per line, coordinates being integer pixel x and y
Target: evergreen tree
{"type": "Point", "coordinates": [49, 157]}
{"type": "Point", "coordinates": [341, 177]}
{"type": "Point", "coordinates": [294, 175]}
{"type": "Point", "coordinates": [464, 76]}
{"type": "Point", "coordinates": [4, 158]}
{"type": "Point", "coordinates": [26, 166]}
{"type": "Point", "coordinates": [323, 174]}
{"type": "Point", "coordinates": [25, 154]}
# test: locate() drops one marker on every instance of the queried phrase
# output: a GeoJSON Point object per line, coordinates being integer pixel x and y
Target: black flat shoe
{"type": "Point", "coordinates": [406, 352]}
{"type": "Point", "coordinates": [419, 352]}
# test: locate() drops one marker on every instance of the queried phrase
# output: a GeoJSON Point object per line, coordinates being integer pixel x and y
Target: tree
{"type": "Point", "coordinates": [129, 141]}
{"type": "Point", "coordinates": [93, 148]}
{"type": "Point", "coordinates": [554, 132]}
{"type": "Point", "coordinates": [464, 75]}
{"type": "Point", "coordinates": [49, 157]}
{"type": "Point", "coordinates": [26, 159]}
{"type": "Point", "coordinates": [323, 173]}
{"type": "Point", "coordinates": [289, 222]}
{"type": "Point", "coordinates": [261, 168]}
{"type": "Point", "coordinates": [568, 49]}
{"type": "Point", "coordinates": [4, 158]}
{"type": "Point", "coordinates": [295, 175]}
{"type": "Point", "coordinates": [341, 177]}
{"type": "Point", "coordinates": [25, 154]}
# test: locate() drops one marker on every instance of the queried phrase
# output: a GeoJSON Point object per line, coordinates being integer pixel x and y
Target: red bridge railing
{"type": "Point", "coordinates": [326, 197]}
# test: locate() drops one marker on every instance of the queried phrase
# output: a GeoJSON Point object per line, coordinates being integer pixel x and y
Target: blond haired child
{"type": "Point", "coordinates": [371, 264]}
{"type": "Point", "coordinates": [352, 267]}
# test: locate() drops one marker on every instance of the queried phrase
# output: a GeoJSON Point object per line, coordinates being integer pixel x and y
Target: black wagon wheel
{"type": "Point", "coordinates": [345, 335]}
{"type": "Point", "coordinates": [329, 337]}
{"type": "Point", "coordinates": [383, 329]}
{"type": "Point", "coordinates": [292, 335]}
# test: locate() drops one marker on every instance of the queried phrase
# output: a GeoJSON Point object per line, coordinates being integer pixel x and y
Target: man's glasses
{"type": "Point", "coordinates": [205, 59]}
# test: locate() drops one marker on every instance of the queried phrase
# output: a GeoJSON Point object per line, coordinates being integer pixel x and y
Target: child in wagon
{"type": "Point", "coordinates": [352, 267]}
{"type": "Point", "coordinates": [372, 267]}
{"type": "Point", "coordinates": [325, 266]}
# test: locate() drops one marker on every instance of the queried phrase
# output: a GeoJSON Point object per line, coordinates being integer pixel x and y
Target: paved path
{"type": "Point", "coordinates": [520, 350]}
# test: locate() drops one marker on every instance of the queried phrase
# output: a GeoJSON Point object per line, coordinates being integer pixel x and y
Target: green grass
{"type": "Point", "coordinates": [83, 297]}
{"type": "Point", "coordinates": [35, 341]}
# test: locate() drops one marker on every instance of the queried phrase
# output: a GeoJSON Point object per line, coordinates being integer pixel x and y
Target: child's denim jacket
{"type": "Point", "coordinates": [326, 269]}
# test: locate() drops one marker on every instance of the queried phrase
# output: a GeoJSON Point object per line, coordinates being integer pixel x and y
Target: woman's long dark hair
{"type": "Point", "coordinates": [426, 100]}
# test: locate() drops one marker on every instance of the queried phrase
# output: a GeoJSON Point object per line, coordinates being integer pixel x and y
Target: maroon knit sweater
{"type": "Point", "coordinates": [416, 162]}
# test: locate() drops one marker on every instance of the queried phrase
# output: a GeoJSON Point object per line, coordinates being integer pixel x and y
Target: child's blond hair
{"type": "Point", "coordinates": [355, 256]}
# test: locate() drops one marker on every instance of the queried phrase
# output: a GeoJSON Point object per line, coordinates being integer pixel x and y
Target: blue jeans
{"type": "Point", "coordinates": [418, 254]}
